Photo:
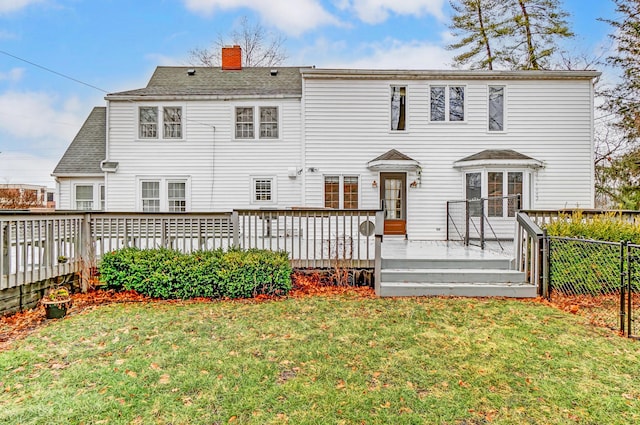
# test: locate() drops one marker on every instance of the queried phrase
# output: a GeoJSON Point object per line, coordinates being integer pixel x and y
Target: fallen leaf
{"type": "Point", "coordinates": [131, 373]}
{"type": "Point", "coordinates": [164, 379]}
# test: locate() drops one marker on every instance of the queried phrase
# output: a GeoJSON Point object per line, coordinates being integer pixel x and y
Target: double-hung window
{"type": "Point", "coordinates": [149, 122]}
{"type": "Point", "coordinates": [244, 123]}
{"type": "Point", "coordinates": [84, 197]}
{"type": "Point", "coordinates": [496, 108]}
{"type": "Point", "coordinates": [341, 192]}
{"type": "Point", "coordinates": [262, 190]}
{"type": "Point", "coordinates": [150, 196]}
{"type": "Point", "coordinates": [267, 124]}
{"type": "Point", "coordinates": [447, 103]}
{"type": "Point", "coordinates": [177, 196]}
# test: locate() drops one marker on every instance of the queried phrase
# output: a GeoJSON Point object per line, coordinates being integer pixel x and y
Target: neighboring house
{"type": "Point", "coordinates": [217, 139]}
{"type": "Point", "coordinates": [25, 196]}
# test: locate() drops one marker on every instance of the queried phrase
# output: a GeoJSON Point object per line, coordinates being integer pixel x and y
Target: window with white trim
{"type": "Point", "coordinates": [102, 197]}
{"type": "Point", "coordinates": [84, 197]}
{"type": "Point", "coordinates": [496, 108]}
{"type": "Point", "coordinates": [244, 123]}
{"type": "Point", "coordinates": [266, 120]}
{"type": "Point", "coordinates": [398, 108]}
{"type": "Point", "coordinates": [447, 103]}
{"type": "Point", "coordinates": [150, 120]}
{"type": "Point", "coordinates": [150, 191]}
{"type": "Point", "coordinates": [172, 119]}
{"type": "Point", "coordinates": [263, 191]}
{"type": "Point", "coordinates": [499, 203]}
{"type": "Point", "coordinates": [177, 196]}
{"type": "Point", "coordinates": [341, 192]}
{"type": "Point", "coordinates": [148, 116]}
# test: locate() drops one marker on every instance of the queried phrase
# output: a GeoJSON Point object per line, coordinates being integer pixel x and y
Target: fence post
{"type": "Point", "coordinates": [630, 262]}
{"type": "Point", "coordinates": [482, 222]}
{"type": "Point", "coordinates": [466, 220]}
{"type": "Point", "coordinates": [546, 254]}
{"type": "Point", "coordinates": [235, 228]}
{"type": "Point", "coordinates": [87, 252]}
{"type": "Point", "coordinates": [6, 249]}
{"type": "Point", "coordinates": [623, 246]}
{"type": "Point", "coordinates": [377, 273]}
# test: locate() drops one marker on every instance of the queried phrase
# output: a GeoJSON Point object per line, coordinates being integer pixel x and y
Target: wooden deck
{"type": "Point", "coordinates": [437, 268]}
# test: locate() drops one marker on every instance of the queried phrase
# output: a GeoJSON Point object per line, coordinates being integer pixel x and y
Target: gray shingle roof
{"type": "Point", "coordinates": [212, 81]}
{"type": "Point", "coordinates": [393, 155]}
{"type": "Point", "coordinates": [499, 154]}
{"type": "Point", "coordinates": [87, 150]}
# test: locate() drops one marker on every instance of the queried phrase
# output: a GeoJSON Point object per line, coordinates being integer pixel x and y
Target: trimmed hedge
{"type": "Point", "coordinates": [169, 274]}
{"type": "Point", "coordinates": [605, 227]}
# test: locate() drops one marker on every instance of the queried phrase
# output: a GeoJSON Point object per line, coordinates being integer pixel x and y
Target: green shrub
{"type": "Point", "coordinates": [164, 273]}
{"type": "Point", "coordinates": [605, 227]}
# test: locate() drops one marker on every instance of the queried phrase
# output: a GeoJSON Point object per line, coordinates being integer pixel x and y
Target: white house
{"type": "Point", "coordinates": [217, 139]}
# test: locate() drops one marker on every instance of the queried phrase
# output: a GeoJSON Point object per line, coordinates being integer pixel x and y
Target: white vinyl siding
{"type": "Point", "coordinates": [347, 125]}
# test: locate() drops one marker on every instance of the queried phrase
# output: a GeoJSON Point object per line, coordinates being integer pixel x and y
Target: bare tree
{"type": "Point", "coordinates": [260, 47]}
{"type": "Point", "coordinates": [18, 199]}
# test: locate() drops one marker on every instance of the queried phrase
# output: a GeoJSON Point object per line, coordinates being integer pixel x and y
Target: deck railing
{"type": "Point", "coordinates": [530, 243]}
{"type": "Point", "coordinates": [40, 246]}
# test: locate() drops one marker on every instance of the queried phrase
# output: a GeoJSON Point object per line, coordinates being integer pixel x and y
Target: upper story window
{"type": "Point", "coordinates": [244, 123]}
{"type": "Point", "coordinates": [341, 191]}
{"type": "Point", "coordinates": [496, 108]}
{"type": "Point", "coordinates": [447, 103]}
{"type": "Point", "coordinates": [398, 108]}
{"type": "Point", "coordinates": [172, 122]}
{"type": "Point", "coordinates": [268, 122]}
{"type": "Point", "coordinates": [149, 122]}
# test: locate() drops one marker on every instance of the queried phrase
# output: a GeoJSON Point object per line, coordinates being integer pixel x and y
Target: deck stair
{"type": "Point", "coordinates": [413, 268]}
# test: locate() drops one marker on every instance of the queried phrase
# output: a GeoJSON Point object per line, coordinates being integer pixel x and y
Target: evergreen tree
{"type": "Point", "coordinates": [536, 26]}
{"type": "Point", "coordinates": [520, 34]}
{"type": "Point", "coordinates": [623, 104]}
{"type": "Point", "coordinates": [475, 23]}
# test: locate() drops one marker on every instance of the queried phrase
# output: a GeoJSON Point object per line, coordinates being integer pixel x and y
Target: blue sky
{"type": "Point", "coordinates": [115, 45]}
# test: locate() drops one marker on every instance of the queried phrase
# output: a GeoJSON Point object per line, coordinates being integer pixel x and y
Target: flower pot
{"type": "Point", "coordinates": [56, 309]}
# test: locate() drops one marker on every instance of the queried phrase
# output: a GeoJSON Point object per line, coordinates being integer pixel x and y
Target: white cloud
{"type": "Point", "coordinates": [387, 54]}
{"type": "Point", "coordinates": [36, 115]}
{"type": "Point", "coordinates": [12, 75]}
{"type": "Point", "coordinates": [290, 18]}
{"type": "Point", "coordinates": [26, 168]}
{"type": "Point", "coordinates": [8, 6]}
{"type": "Point", "coordinates": [376, 11]}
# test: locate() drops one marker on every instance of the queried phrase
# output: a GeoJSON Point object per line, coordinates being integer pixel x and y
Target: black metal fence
{"type": "Point", "coordinates": [600, 280]}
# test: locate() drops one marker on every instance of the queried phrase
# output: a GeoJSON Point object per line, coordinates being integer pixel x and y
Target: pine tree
{"type": "Point", "coordinates": [519, 34]}
{"type": "Point", "coordinates": [623, 105]}
{"type": "Point", "coordinates": [475, 23]}
{"type": "Point", "coordinates": [535, 27]}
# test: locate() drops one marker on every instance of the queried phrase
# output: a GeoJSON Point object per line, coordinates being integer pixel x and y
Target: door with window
{"type": "Point", "coordinates": [393, 194]}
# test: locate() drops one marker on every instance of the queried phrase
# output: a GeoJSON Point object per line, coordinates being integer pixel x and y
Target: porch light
{"type": "Point", "coordinates": [374, 184]}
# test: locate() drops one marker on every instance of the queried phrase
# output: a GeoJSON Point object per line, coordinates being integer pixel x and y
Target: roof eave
{"type": "Point", "coordinates": [447, 74]}
{"type": "Point", "coordinates": [528, 163]}
{"type": "Point", "coordinates": [165, 97]}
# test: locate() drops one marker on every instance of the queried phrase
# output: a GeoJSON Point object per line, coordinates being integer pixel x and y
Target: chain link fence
{"type": "Point", "coordinates": [599, 280]}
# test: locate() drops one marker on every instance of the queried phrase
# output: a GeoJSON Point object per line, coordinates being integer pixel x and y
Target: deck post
{"type": "Point", "coordinates": [87, 252]}
{"type": "Point", "coordinates": [6, 250]}
{"type": "Point", "coordinates": [235, 228]}
{"type": "Point", "coordinates": [378, 251]}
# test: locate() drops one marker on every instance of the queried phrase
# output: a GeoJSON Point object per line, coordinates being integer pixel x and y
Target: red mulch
{"type": "Point", "coordinates": [18, 325]}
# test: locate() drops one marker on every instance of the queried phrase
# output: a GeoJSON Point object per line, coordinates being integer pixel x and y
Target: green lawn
{"type": "Point", "coordinates": [322, 360]}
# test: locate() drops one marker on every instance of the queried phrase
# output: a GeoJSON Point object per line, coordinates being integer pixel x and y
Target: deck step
{"type": "Point", "coordinates": [404, 289]}
{"type": "Point", "coordinates": [448, 263]}
{"type": "Point", "coordinates": [488, 276]}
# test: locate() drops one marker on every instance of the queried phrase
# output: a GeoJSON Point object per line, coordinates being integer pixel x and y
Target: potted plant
{"type": "Point", "coordinates": [57, 302]}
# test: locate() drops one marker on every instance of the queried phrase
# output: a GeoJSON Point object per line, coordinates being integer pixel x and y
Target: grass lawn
{"type": "Point", "coordinates": [322, 360]}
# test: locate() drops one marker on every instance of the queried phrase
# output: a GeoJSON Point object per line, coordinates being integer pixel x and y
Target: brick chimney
{"type": "Point", "coordinates": [232, 58]}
